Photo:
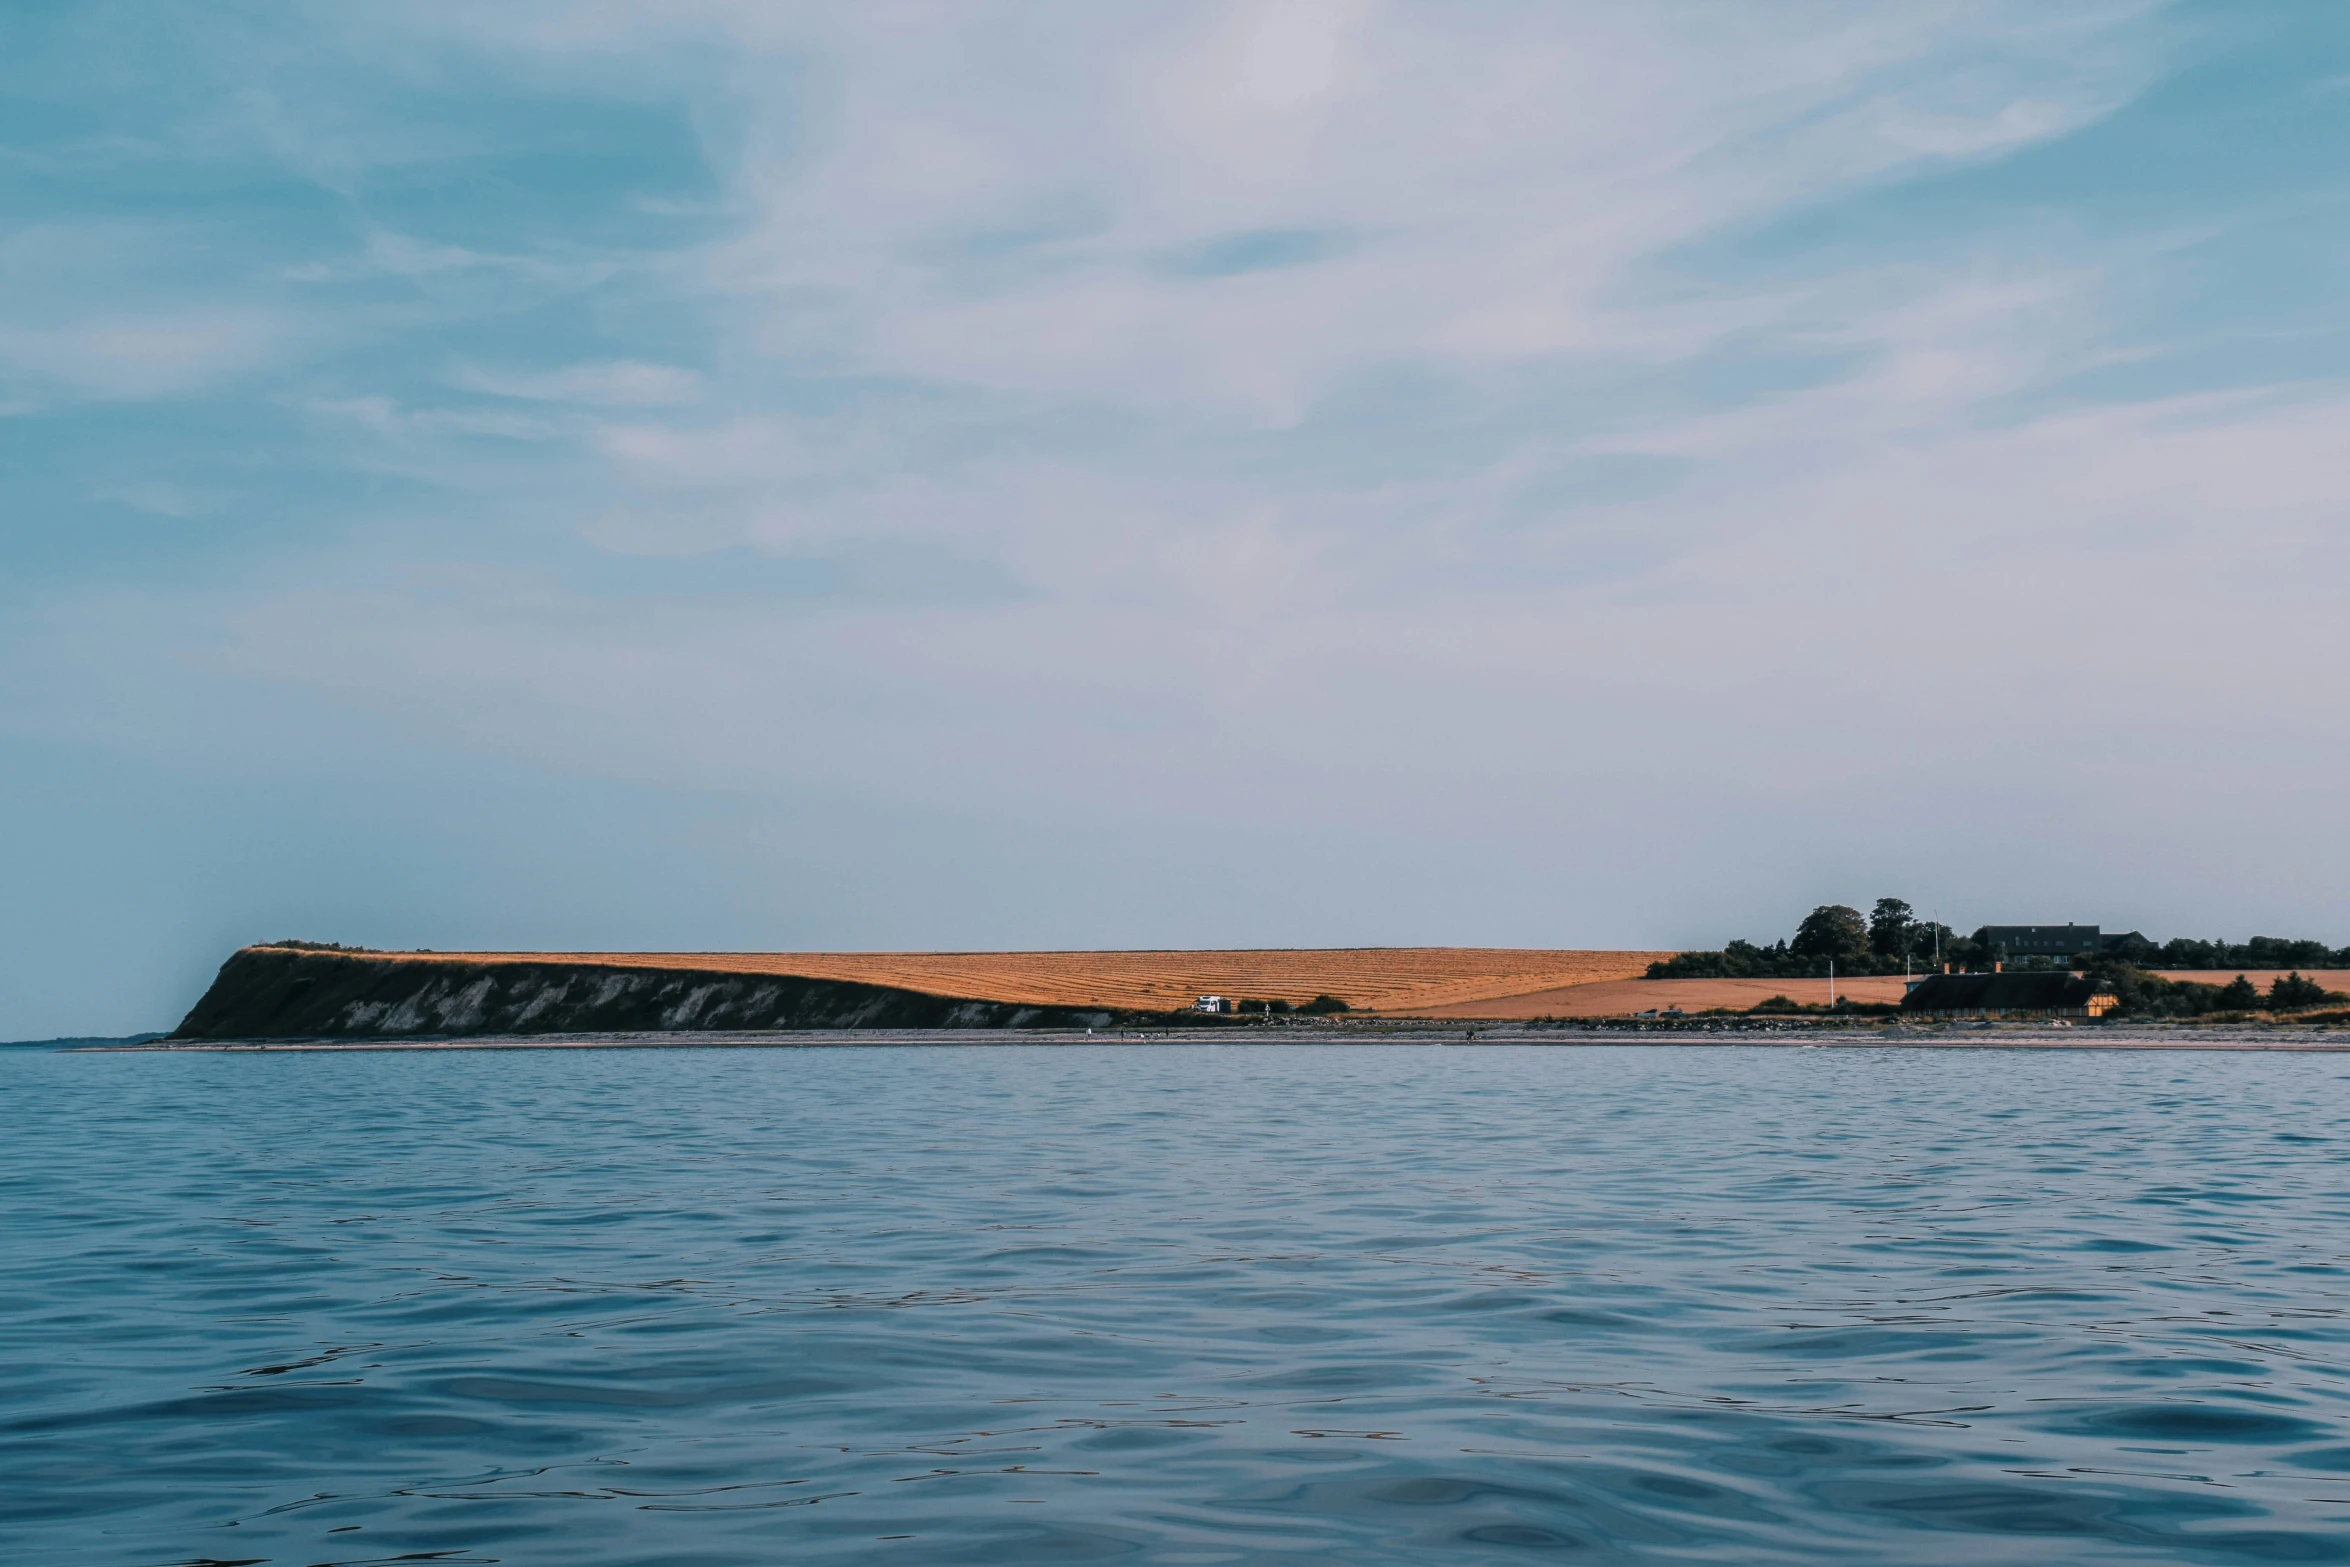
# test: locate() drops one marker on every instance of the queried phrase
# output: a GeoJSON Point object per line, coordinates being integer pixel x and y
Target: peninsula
{"type": "Point", "coordinates": [285, 990]}
{"type": "Point", "coordinates": [1840, 967]}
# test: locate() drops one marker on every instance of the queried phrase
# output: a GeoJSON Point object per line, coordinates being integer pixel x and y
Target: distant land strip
{"type": "Point", "coordinates": [307, 990]}
{"type": "Point", "coordinates": [1808, 1033]}
{"type": "Point", "coordinates": [1151, 980]}
{"type": "Point", "coordinates": [294, 990]}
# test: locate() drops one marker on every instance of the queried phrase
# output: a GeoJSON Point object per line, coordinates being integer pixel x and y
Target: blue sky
{"type": "Point", "coordinates": [744, 475]}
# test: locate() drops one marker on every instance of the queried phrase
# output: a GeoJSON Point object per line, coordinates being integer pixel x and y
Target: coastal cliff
{"type": "Point", "coordinates": [303, 993]}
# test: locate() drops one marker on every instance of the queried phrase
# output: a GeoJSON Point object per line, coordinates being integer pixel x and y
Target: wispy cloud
{"type": "Point", "coordinates": [138, 356]}
{"type": "Point", "coordinates": [611, 383]}
{"type": "Point", "coordinates": [1512, 433]}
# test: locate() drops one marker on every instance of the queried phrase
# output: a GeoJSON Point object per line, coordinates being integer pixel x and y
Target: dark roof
{"type": "Point", "coordinates": [2064, 939]}
{"type": "Point", "coordinates": [2000, 993]}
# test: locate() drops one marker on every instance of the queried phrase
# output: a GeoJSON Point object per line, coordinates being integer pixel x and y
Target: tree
{"type": "Point", "coordinates": [1323, 1006]}
{"type": "Point", "coordinates": [2238, 995]}
{"type": "Point", "coordinates": [2283, 952]}
{"type": "Point", "coordinates": [1832, 931]}
{"type": "Point", "coordinates": [1890, 927]}
{"type": "Point", "coordinates": [2295, 991]}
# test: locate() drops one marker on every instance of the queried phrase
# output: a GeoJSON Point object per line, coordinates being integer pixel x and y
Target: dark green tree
{"type": "Point", "coordinates": [2292, 990]}
{"type": "Point", "coordinates": [2238, 995]}
{"type": "Point", "coordinates": [2283, 952]}
{"type": "Point", "coordinates": [1890, 928]}
{"type": "Point", "coordinates": [1832, 931]}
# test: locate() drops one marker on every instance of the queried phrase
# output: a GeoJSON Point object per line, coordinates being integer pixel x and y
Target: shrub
{"type": "Point", "coordinates": [2139, 994]}
{"type": "Point", "coordinates": [2293, 992]}
{"type": "Point", "coordinates": [1323, 1006]}
{"type": "Point", "coordinates": [2238, 995]}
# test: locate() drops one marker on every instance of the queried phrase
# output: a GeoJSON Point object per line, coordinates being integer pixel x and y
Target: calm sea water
{"type": "Point", "coordinates": [1218, 1304]}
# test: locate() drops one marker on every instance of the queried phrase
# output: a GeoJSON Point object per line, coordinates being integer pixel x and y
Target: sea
{"type": "Point", "coordinates": [1193, 1304]}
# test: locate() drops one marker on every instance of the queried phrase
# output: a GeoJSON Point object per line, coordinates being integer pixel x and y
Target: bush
{"type": "Point", "coordinates": [2293, 992]}
{"type": "Point", "coordinates": [1323, 1006]}
{"type": "Point", "coordinates": [2139, 994]}
{"type": "Point", "coordinates": [1783, 1006]}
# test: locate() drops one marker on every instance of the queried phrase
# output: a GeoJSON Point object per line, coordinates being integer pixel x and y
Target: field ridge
{"type": "Point", "coordinates": [1383, 979]}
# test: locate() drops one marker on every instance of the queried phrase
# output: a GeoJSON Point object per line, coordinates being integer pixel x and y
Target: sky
{"type": "Point", "coordinates": [716, 474]}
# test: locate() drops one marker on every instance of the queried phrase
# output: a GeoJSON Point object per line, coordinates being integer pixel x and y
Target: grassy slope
{"type": "Point", "coordinates": [1382, 978]}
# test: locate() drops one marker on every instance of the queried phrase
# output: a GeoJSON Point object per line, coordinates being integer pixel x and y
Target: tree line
{"type": "Point", "coordinates": [1880, 942]}
{"type": "Point", "coordinates": [1891, 938]}
{"type": "Point", "coordinates": [2144, 995]}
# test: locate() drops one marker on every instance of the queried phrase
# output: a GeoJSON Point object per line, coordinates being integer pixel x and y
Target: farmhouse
{"type": "Point", "coordinates": [2040, 941]}
{"type": "Point", "coordinates": [2007, 995]}
{"type": "Point", "coordinates": [2013, 942]}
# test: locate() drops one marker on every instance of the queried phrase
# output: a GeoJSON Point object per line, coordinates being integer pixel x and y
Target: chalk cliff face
{"type": "Point", "coordinates": [299, 993]}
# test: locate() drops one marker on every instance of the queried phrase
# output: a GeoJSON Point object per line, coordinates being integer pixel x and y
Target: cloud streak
{"type": "Point", "coordinates": [1533, 473]}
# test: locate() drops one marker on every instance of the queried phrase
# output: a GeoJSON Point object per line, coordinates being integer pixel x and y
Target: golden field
{"type": "Point", "coordinates": [2331, 978]}
{"type": "Point", "coordinates": [1383, 979]}
{"type": "Point", "coordinates": [1450, 983]}
{"type": "Point", "coordinates": [1616, 998]}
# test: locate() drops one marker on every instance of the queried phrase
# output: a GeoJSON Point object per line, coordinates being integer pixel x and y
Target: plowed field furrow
{"type": "Point", "coordinates": [1381, 978]}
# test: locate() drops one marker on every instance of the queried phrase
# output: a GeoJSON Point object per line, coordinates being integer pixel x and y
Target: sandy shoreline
{"type": "Point", "coordinates": [1791, 1035]}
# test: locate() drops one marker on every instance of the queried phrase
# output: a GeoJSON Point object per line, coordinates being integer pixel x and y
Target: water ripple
{"type": "Point", "coordinates": [1215, 1304]}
